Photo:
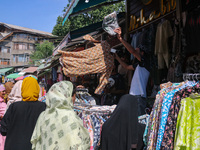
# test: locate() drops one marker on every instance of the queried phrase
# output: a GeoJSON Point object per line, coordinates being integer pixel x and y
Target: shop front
{"type": "Point", "coordinates": [168, 31]}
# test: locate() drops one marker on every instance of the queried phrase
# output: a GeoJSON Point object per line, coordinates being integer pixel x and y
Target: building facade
{"type": "Point", "coordinates": [17, 43]}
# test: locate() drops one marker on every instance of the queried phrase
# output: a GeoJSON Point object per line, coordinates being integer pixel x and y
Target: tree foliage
{"type": "Point", "coordinates": [85, 19]}
{"type": "Point", "coordinates": [42, 51]}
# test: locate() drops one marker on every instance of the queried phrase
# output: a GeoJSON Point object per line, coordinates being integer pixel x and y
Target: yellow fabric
{"type": "Point", "coordinates": [30, 89]}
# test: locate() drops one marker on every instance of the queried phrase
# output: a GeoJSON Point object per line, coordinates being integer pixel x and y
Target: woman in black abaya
{"type": "Point", "coordinates": [122, 130]}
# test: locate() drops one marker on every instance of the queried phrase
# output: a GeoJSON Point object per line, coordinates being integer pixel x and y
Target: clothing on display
{"type": "Point", "coordinates": [164, 31]}
{"type": "Point", "coordinates": [188, 124]}
{"type": "Point", "coordinates": [162, 121]}
{"type": "Point", "coordinates": [93, 118]}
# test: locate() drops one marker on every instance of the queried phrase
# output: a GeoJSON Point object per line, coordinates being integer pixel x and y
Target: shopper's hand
{"type": "Point", "coordinates": [119, 32]}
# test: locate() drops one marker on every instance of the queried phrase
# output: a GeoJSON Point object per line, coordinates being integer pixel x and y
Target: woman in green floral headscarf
{"type": "Point", "coordinates": [58, 127]}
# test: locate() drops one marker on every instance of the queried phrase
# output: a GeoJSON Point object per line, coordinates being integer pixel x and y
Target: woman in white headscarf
{"type": "Point", "coordinates": [15, 94]}
{"type": "Point", "coordinates": [58, 127]}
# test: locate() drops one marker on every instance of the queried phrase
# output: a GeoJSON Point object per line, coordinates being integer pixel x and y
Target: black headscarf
{"type": "Point", "coordinates": [120, 131]}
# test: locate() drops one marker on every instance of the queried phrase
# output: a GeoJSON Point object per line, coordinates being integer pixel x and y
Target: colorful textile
{"type": "Point", "coordinates": [96, 129]}
{"type": "Point", "coordinates": [168, 138]}
{"type": "Point", "coordinates": [15, 94]}
{"type": "Point", "coordinates": [58, 127]}
{"type": "Point", "coordinates": [97, 59]}
{"type": "Point", "coordinates": [155, 114]}
{"type": "Point", "coordinates": [30, 89]}
{"type": "Point", "coordinates": [165, 110]}
{"type": "Point", "coordinates": [188, 124]}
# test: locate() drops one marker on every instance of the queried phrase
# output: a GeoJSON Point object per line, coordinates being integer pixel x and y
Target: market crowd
{"type": "Point", "coordinates": [27, 123]}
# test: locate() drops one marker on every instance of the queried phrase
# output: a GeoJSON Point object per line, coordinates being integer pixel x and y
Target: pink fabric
{"type": "Point", "coordinates": [2, 88]}
{"type": "Point", "coordinates": [2, 111]}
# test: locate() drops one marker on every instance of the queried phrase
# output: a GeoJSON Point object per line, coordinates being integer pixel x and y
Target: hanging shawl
{"type": "Point", "coordinates": [58, 127]}
{"type": "Point", "coordinates": [97, 59]}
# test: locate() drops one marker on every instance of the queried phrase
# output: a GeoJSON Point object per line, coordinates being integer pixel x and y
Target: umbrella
{"type": "Point", "coordinates": [13, 76]}
{"type": "Point", "coordinates": [19, 78]}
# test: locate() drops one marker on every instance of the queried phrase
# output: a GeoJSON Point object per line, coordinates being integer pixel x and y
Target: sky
{"type": "Point", "coordinates": [35, 14]}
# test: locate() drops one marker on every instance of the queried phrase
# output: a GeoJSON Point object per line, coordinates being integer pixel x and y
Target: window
{"type": "Point", "coordinates": [20, 46]}
{"type": "Point", "coordinates": [30, 46]}
{"type": "Point", "coordinates": [4, 61]}
{"type": "Point", "coordinates": [27, 58]}
{"type": "Point", "coordinates": [21, 57]}
{"type": "Point", "coordinates": [14, 58]}
{"type": "Point", "coordinates": [16, 46]}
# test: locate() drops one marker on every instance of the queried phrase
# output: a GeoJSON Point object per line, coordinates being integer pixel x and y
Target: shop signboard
{"type": "Point", "coordinates": [144, 11]}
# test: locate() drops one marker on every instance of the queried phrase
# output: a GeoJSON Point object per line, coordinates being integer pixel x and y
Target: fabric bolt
{"type": "Point", "coordinates": [15, 94]}
{"type": "Point", "coordinates": [165, 110]}
{"type": "Point", "coordinates": [155, 114]}
{"type": "Point", "coordinates": [121, 130]}
{"type": "Point", "coordinates": [168, 138]}
{"type": "Point", "coordinates": [97, 59]}
{"type": "Point", "coordinates": [30, 89]}
{"type": "Point", "coordinates": [58, 127]}
{"type": "Point", "coordinates": [188, 124]}
{"type": "Point", "coordinates": [164, 31]}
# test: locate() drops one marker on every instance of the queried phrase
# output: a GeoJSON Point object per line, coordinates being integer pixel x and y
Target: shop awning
{"type": "Point", "coordinates": [80, 6]}
{"type": "Point", "coordinates": [3, 71]}
{"type": "Point", "coordinates": [43, 67]}
{"type": "Point", "coordinates": [13, 76]}
{"type": "Point", "coordinates": [30, 70]}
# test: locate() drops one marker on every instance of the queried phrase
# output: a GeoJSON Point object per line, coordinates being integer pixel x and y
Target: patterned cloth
{"type": "Point", "coordinates": [165, 110]}
{"type": "Point", "coordinates": [188, 124]}
{"type": "Point", "coordinates": [97, 59]}
{"type": "Point", "coordinates": [155, 114]}
{"type": "Point", "coordinates": [58, 127]}
{"type": "Point", "coordinates": [168, 138]}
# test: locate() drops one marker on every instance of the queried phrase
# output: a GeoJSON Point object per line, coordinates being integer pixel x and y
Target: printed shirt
{"type": "Point", "coordinates": [168, 138]}
{"type": "Point", "coordinates": [188, 124]}
{"type": "Point", "coordinates": [165, 110]}
{"type": "Point", "coordinates": [155, 114]}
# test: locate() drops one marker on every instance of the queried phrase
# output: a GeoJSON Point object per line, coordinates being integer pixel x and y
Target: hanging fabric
{"type": "Point", "coordinates": [97, 59]}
